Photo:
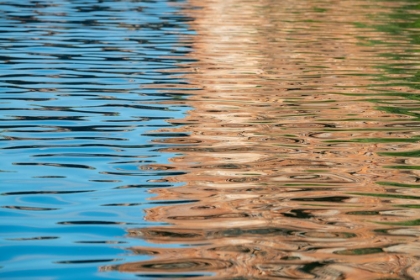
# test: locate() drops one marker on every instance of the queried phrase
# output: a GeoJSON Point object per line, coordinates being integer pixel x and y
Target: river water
{"type": "Point", "coordinates": [238, 139]}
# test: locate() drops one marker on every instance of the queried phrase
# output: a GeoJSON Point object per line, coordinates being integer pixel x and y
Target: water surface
{"type": "Point", "coordinates": [279, 142]}
{"type": "Point", "coordinates": [303, 147]}
{"type": "Point", "coordinates": [76, 129]}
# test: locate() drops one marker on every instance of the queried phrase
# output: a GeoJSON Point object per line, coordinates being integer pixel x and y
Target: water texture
{"type": "Point", "coordinates": [303, 147]}
{"type": "Point", "coordinates": [236, 139]}
{"type": "Point", "coordinates": [76, 129]}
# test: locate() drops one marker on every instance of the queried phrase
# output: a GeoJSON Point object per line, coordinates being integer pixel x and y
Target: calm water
{"type": "Point", "coordinates": [237, 139]}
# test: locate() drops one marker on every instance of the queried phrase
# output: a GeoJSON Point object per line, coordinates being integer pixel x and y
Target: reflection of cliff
{"type": "Point", "coordinates": [274, 185]}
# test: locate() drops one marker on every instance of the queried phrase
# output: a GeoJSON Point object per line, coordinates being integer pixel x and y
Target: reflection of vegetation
{"type": "Point", "coordinates": [408, 167]}
{"type": "Point", "coordinates": [320, 10]}
{"type": "Point", "coordinates": [400, 185]}
{"type": "Point", "coordinates": [404, 18]}
{"type": "Point", "coordinates": [402, 24]}
{"type": "Point", "coordinates": [402, 154]}
{"type": "Point", "coordinates": [388, 195]}
{"type": "Point", "coordinates": [399, 111]}
{"type": "Point", "coordinates": [410, 96]}
{"type": "Point", "coordinates": [415, 206]}
{"type": "Point", "coordinates": [361, 251]}
{"type": "Point", "coordinates": [401, 64]}
{"type": "Point", "coordinates": [405, 223]}
{"type": "Point", "coordinates": [378, 140]}
{"type": "Point", "coordinates": [368, 213]}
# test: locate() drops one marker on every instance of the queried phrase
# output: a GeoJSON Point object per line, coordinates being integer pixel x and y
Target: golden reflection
{"type": "Point", "coordinates": [277, 158]}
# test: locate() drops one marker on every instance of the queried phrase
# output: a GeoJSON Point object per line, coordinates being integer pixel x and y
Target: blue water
{"type": "Point", "coordinates": [82, 85]}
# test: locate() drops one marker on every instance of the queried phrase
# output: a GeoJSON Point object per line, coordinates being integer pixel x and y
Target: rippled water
{"type": "Point", "coordinates": [77, 127]}
{"type": "Point", "coordinates": [210, 139]}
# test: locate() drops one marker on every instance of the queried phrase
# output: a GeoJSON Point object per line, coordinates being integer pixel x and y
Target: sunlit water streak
{"type": "Point", "coordinates": [280, 142]}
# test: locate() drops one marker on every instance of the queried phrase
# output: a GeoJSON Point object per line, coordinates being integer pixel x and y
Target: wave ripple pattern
{"type": "Point", "coordinates": [78, 115]}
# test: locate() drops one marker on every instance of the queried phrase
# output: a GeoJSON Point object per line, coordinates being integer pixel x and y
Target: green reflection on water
{"type": "Point", "coordinates": [378, 140]}
{"type": "Point", "coordinates": [320, 10]}
{"type": "Point", "coordinates": [400, 111]}
{"type": "Point", "coordinates": [387, 195]}
{"type": "Point", "coordinates": [410, 167]}
{"type": "Point", "coordinates": [415, 206]}
{"type": "Point", "coordinates": [367, 213]}
{"type": "Point", "coordinates": [415, 153]}
{"type": "Point", "coordinates": [360, 251]}
{"type": "Point", "coordinates": [401, 185]}
{"type": "Point", "coordinates": [400, 45]}
{"type": "Point", "coordinates": [405, 223]}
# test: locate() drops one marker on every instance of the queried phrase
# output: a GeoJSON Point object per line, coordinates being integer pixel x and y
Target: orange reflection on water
{"type": "Point", "coordinates": [281, 178]}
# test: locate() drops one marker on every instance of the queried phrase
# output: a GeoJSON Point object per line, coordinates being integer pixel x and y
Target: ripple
{"type": "Point", "coordinates": [91, 223]}
{"type": "Point", "coordinates": [326, 199]}
{"type": "Point", "coordinates": [35, 238]}
{"type": "Point", "coordinates": [87, 261]}
{"type": "Point", "coordinates": [28, 208]}
{"type": "Point", "coordinates": [55, 165]}
{"type": "Point", "coordinates": [46, 192]}
{"type": "Point", "coordinates": [181, 265]}
{"type": "Point", "coordinates": [196, 234]}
